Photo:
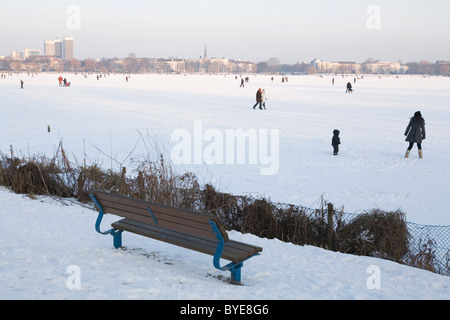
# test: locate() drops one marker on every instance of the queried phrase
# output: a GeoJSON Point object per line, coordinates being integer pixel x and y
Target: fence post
{"type": "Point", "coordinates": [330, 226]}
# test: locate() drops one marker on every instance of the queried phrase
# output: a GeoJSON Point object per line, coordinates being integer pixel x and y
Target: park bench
{"type": "Point", "coordinates": [191, 230]}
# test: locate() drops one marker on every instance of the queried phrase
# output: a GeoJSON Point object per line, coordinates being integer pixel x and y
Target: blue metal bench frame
{"type": "Point", "coordinates": [234, 268]}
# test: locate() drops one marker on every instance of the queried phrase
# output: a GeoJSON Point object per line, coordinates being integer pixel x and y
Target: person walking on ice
{"type": "Point", "coordinates": [415, 133]}
{"type": "Point", "coordinates": [258, 99]}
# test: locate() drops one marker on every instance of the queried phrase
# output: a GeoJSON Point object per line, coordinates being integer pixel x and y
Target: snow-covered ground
{"type": "Point", "coordinates": [110, 118]}
{"type": "Point", "coordinates": [50, 251]}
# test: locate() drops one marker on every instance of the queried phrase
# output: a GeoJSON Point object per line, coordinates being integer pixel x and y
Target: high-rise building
{"type": "Point", "coordinates": [68, 48]}
{"type": "Point", "coordinates": [58, 48]}
{"type": "Point", "coordinates": [49, 48]}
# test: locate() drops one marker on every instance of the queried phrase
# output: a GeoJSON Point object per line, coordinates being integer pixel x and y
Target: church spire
{"type": "Point", "coordinates": [205, 56]}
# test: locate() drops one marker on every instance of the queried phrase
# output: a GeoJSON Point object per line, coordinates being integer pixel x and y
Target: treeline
{"type": "Point", "coordinates": [132, 64]}
{"type": "Point", "coordinates": [423, 68]}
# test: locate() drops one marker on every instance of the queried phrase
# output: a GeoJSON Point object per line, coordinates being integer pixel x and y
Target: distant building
{"type": "Point", "coordinates": [337, 67]}
{"type": "Point", "coordinates": [173, 65]}
{"type": "Point", "coordinates": [376, 67]}
{"type": "Point", "coordinates": [26, 53]}
{"type": "Point", "coordinates": [384, 67]}
{"type": "Point", "coordinates": [325, 66]}
{"type": "Point", "coordinates": [15, 54]}
{"type": "Point", "coordinates": [68, 48]}
{"type": "Point", "coordinates": [205, 55]}
{"type": "Point", "coordinates": [60, 49]}
{"type": "Point", "coordinates": [31, 52]}
{"type": "Point", "coordinates": [49, 48]}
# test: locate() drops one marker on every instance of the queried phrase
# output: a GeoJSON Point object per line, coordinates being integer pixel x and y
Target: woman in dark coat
{"type": "Point", "coordinates": [258, 99]}
{"type": "Point", "coordinates": [415, 133]}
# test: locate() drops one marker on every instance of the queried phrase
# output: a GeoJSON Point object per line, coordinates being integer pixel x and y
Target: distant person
{"type": "Point", "coordinates": [65, 82]}
{"type": "Point", "coordinates": [349, 88]}
{"type": "Point", "coordinates": [258, 99]}
{"type": "Point", "coordinates": [335, 142]}
{"type": "Point", "coordinates": [60, 81]}
{"type": "Point", "coordinates": [332, 81]}
{"type": "Point", "coordinates": [242, 83]}
{"type": "Point", "coordinates": [263, 98]}
{"type": "Point", "coordinates": [415, 133]}
{"type": "Point", "coordinates": [21, 84]}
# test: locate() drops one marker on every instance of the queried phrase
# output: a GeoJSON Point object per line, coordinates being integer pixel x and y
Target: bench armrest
{"type": "Point", "coordinates": [100, 217]}
{"type": "Point", "coordinates": [220, 245]}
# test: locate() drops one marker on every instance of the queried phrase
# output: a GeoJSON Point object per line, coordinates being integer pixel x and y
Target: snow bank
{"type": "Point", "coordinates": [44, 244]}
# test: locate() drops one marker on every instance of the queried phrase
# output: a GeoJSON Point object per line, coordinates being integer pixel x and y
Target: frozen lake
{"type": "Point", "coordinates": [287, 155]}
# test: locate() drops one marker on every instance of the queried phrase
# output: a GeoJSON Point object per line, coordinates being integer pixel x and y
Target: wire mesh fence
{"type": "Point", "coordinates": [428, 245]}
{"type": "Point", "coordinates": [433, 241]}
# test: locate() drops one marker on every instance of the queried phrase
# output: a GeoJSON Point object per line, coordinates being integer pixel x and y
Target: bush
{"type": "Point", "coordinates": [35, 176]}
{"type": "Point", "coordinates": [377, 234]}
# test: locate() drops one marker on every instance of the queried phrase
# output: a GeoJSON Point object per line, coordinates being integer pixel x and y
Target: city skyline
{"type": "Point", "coordinates": [292, 31]}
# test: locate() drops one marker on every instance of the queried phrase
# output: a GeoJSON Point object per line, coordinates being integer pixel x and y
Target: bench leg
{"type": "Point", "coordinates": [236, 273]}
{"type": "Point", "coordinates": [117, 238]}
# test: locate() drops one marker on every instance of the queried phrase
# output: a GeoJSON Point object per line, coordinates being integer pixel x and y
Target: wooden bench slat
{"type": "Point", "coordinates": [231, 250]}
{"type": "Point", "coordinates": [168, 217]}
{"type": "Point", "coordinates": [180, 219]}
{"type": "Point", "coordinates": [138, 203]}
{"type": "Point", "coordinates": [185, 228]}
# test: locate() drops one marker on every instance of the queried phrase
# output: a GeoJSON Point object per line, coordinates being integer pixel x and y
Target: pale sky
{"type": "Point", "coordinates": [291, 30]}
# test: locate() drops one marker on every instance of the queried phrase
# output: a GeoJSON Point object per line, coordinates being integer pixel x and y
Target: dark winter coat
{"type": "Point", "coordinates": [336, 140]}
{"type": "Point", "coordinates": [415, 132]}
{"type": "Point", "coordinates": [259, 96]}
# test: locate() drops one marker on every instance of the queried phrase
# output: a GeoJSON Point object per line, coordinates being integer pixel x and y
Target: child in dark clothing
{"type": "Point", "coordinates": [335, 142]}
